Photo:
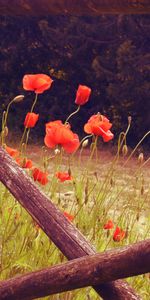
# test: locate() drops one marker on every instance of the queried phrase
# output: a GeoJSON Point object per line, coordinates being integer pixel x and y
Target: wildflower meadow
{"type": "Point", "coordinates": [106, 196]}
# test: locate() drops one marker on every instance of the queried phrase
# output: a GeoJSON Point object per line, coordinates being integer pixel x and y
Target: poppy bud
{"type": "Point", "coordinates": [129, 120]}
{"type": "Point", "coordinates": [69, 171]}
{"type": "Point", "coordinates": [111, 182]}
{"type": "Point", "coordinates": [96, 175]}
{"type": "Point", "coordinates": [31, 119]}
{"type": "Point", "coordinates": [5, 131]}
{"type": "Point", "coordinates": [142, 190]}
{"type": "Point", "coordinates": [82, 95]}
{"type": "Point", "coordinates": [127, 232]}
{"type": "Point", "coordinates": [138, 216]}
{"type": "Point", "coordinates": [18, 98]}
{"type": "Point", "coordinates": [124, 150]}
{"type": "Point", "coordinates": [85, 143]}
{"type": "Point", "coordinates": [141, 158]}
{"type": "Point", "coordinates": [4, 113]}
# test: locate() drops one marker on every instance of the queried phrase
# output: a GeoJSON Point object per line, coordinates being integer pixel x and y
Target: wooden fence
{"type": "Point", "coordinates": [102, 271]}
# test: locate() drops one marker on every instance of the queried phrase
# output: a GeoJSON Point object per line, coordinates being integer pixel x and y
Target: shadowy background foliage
{"type": "Point", "coordinates": [109, 53]}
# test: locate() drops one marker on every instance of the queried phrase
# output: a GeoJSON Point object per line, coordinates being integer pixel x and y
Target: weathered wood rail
{"type": "Point", "coordinates": [88, 270]}
{"type": "Point", "coordinates": [75, 7]}
{"type": "Point", "coordinates": [64, 234]}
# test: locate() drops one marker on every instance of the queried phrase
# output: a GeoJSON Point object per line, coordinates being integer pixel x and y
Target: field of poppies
{"type": "Point", "coordinates": [107, 199]}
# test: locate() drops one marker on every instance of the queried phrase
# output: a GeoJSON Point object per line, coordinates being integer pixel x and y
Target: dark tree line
{"type": "Point", "coordinates": [108, 53]}
{"type": "Point", "coordinates": [84, 7]}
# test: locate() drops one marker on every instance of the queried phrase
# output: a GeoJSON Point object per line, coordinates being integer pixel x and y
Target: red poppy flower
{"type": "Point", "coordinates": [18, 161]}
{"type": "Point", "coordinates": [37, 82]}
{"type": "Point", "coordinates": [11, 151]}
{"type": "Point", "coordinates": [24, 162]}
{"type": "Point", "coordinates": [58, 133]}
{"type": "Point", "coordinates": [30, 120]}
{"type": "Point", "coordinates": [99, 125]}
{"type": "Point", "coordinates": [82, 95]}
{"type": "Point", "coordinates": [109, 225]}
{"type": "Point", "coordinates": [27, 164]}
{"type": "Point", "coordinates": [63, 176]}
{"type": "Point", "coordinates": [119, 234]}
{"type": "Point", "coordinates": [40, 176]}
{"type": "Point", "coordinates": [68, 216]}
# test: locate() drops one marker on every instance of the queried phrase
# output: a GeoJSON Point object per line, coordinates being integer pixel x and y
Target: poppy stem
{"type": "Point", "coordinates": [25, 129]}
{"type": "Point", "coordinates": [27, 137]}
{"type": "Point", "coordinates": [146, 134]}
{"type": "Point", "coordinates": [4, 120]}
{"type": "Point", "coordinates": [116, 158]}
{"type": "Point", "coordinates": [34, 103]}
{"type": "Point", "coordinates": [93, 148]}
{"type": "Point", "coordinates": [22, 138]}
{"type": "Point", "coordinates": [72, 114]}
{"type": "Point", "coordinates": [85, 138]}
{"type": "Point", "coordinates": [121, 141]}
{"type": "Point", "coordinates": [81, 142]}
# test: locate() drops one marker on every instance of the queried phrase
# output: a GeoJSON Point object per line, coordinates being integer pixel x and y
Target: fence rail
{"type": "Point", "coordinates": [81, 272]}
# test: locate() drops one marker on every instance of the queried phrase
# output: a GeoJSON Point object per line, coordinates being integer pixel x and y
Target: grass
{"type": "Point", "coordinates": [99, 191]}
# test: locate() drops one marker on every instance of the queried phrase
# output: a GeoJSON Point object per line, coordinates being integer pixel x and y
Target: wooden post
{"type": "Point", "coordinates": [88, 270]}
{"type": "Point", "coordinates": [63, 233]}
{"type": "Point", "coordinates": [77, 7]}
